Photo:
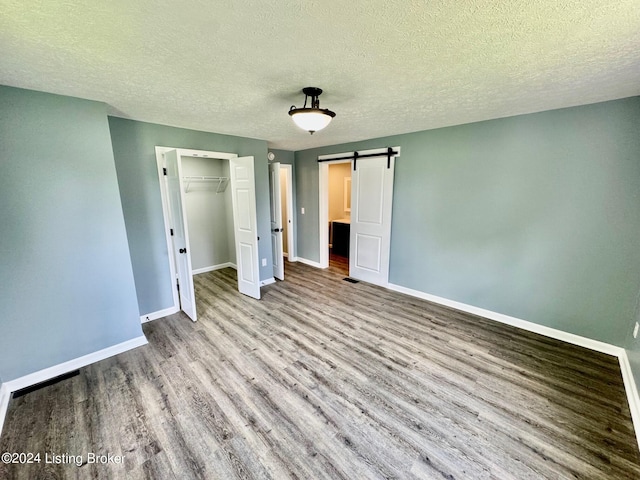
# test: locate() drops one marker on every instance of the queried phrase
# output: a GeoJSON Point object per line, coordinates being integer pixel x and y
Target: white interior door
{"type": "Point", "coordinates": [243, 194]}
{"type": "Point", "coordinates": [181, 233]}
{"type": "Point", "coordinates": [276, 221]}
{"type": "Point", "coordinates": [371, 202]}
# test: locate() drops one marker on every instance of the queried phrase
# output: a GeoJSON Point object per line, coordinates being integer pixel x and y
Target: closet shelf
{"type": "Point", "coordinates": [221, 181]}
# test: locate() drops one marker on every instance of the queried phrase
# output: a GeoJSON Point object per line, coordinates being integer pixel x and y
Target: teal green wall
{"type": "Point", "coordinates": [534, 216]}
{"type": "Point", "coordinates": [283, 156]}
{"type": "Point", "coordinates": [134, 151]}
{"type": "Point", "coordinates": [67, 284]}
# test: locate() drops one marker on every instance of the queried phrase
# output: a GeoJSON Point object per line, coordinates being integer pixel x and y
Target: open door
{"type": "Point", "coordinates": [181, 234]}
{"type": "Point", "coordinates": [243, 194]}
{"type": "Point", "coordinates": [371, 202]}
{"type": "Point", "coordinates": [276, 221]}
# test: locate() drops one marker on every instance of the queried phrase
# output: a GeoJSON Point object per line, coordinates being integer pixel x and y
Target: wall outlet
{"type": "Point", "coordinates": [264, 262]}
{"type": "Point", "coordinates": [635, 330]}
{"type": "Point", "coordinates": [302, 210]}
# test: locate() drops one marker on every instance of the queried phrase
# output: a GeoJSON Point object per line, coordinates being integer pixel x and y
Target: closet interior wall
{"type": "Point", "coordinates": [209, 215]}
{"type": "Point", "coordinates": [338, 172]}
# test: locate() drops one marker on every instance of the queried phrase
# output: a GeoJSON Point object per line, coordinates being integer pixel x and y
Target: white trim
{"type": "Point", "coordinates": [309, 262]}
{"type": "Point", "coordinates": [513, 321]}
{"type": "Point", "coordinates": [5, 396]}
{"type": "Point", "coordinates": [189, 152]}
{"type": "Point", "coordinates": [323, 212]}
{"type": "Point", "coordinates": [632, 392]}
{"type": "Point", "coordinates": [323, 194]}
{"type": "Point", "coordinates": [159, 314]}
{"type": "Point", "coordinates": [288, 169]}
{"type": "Point", "coordinates": [268, 281]}
{"type": "Point", "coordinates": [160, 165]}
{"type": "Point", "coordinates": [220, 266]}
{"type": "Point", "coordinates": [62, 368]}
{"type": "Point", "coordinates": [633, 396]}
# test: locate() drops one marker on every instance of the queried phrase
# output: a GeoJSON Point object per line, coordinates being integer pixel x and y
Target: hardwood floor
{"type": "Point", "coordinates": [327, 379]}
{"type": "Point", "coordinates": [338, 264]}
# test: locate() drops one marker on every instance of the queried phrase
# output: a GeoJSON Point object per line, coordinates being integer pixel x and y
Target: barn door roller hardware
{"type": "Point", "coordinates": [389, 153]}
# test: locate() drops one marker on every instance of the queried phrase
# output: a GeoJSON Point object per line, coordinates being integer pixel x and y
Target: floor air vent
{"type": "Point", "coordinates": [38, 386]}
{"type": "Point", "coordinates": [351, 280]}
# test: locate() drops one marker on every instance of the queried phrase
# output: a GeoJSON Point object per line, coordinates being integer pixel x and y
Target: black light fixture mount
{"type": "Point", "coordinates": [311, 118]}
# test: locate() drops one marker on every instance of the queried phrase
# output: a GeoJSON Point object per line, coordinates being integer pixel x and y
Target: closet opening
{"type": "Point", "coordinates": [209, 210]}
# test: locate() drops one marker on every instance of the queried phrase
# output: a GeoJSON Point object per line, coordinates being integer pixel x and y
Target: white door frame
{"type": "Point", "coordinates": [323, 183]}
{"type": "Point", "coordinates": [323, 214]}
{"type": "Point", "coordinates": [288, 170]}
{"type": "Point", "coordinates": [276, 220]}
{"type": "Point", "coordinates": [160, 165]}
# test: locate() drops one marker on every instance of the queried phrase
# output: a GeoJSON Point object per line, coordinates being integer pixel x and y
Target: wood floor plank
{"type": "Point", "coordinates": [328, 379]}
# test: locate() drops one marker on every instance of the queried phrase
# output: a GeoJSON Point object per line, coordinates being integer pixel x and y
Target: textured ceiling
{"type": "Point", "coordinates": [386, 66]}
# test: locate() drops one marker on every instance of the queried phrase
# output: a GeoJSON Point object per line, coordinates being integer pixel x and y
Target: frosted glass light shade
{"type": "Point", "coordinates": [311, 119]}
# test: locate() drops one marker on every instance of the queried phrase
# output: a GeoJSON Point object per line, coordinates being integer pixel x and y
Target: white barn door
{"type": "Point", "coordinates": [243, 194]}
{"type": "Point", "coordinates": [371, 205]}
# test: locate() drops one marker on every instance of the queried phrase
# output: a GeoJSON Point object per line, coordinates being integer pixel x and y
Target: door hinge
{"type": "Point", "coordinates": [164, 172]}
{"type": "Point", "coordinates": [171, 230]}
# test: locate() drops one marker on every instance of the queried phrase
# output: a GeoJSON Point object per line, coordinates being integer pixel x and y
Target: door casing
{"type": "Point", "coordinates": [160, 165]}
{"type": "Point", "coordinates": [323, 181]}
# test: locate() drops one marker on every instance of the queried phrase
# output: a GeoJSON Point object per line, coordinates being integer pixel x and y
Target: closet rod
{"type": "Point", "coordinates": [222, 182]}
{"type": "Point", "coordinates": [191, 178]}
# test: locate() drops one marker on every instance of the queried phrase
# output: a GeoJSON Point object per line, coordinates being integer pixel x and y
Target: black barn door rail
{"type": "Point", "coordinates": [390, 153]}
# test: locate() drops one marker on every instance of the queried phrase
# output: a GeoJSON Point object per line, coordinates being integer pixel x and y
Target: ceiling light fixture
{"type": "Point", "coordinates": [313, 118]}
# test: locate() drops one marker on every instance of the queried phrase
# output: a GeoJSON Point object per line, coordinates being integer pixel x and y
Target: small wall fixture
{"type": "Point", "coordinates": [311, 118]}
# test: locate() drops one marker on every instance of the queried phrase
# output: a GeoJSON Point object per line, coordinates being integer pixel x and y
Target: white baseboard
{"type": "Point", "coordinates": [213, 267]}
{"type": "Point", "coordinates": [5, 396]}
{"type": "Point", "coordinates": [311, 263]}
{"type": "Point", "coordinates": [159, 314]}
{"type": "Point", "coordinates": [632, 392]}
{"type": "Point", "coordinates": [602, 347]}
{"type": "Point", "coordinates": [43, 375]}
{"type": "Point", "coordinates": [513, 321]}
{"type": "Point", "coordinates": [268, 281]}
